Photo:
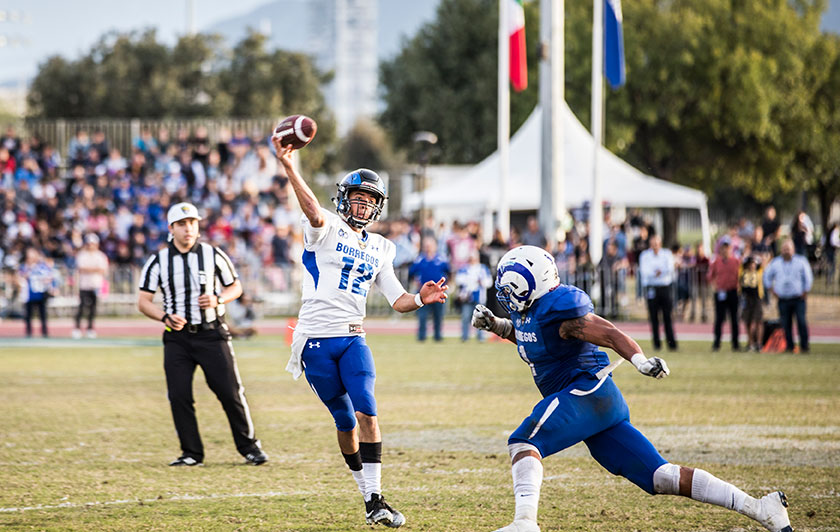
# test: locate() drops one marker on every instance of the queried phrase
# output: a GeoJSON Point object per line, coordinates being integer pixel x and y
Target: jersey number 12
{"type": "Point", "coordinates": [364, 270]}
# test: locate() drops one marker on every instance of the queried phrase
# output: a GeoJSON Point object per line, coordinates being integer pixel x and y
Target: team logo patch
{"type": "Point", "coordinates": [342, 233]}
{"type": "Point", "coordinates": [356, 328]}
{"type": "Point", "coordinates": [185, 209]}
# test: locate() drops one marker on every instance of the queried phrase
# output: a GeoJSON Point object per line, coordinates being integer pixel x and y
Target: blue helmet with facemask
{"type": "Point", "coordinates": [363, 180]}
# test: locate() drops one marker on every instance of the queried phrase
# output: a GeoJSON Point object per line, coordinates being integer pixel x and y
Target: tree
{"type": "Point", "coordinates": [718, 92]}
{"type": "Point", "coordinates": [133, 75]}
{"type": "Point", "coordinates": [817, 162]}
{"type": "Point", "coordinates": [367, 145]}
{"type": "Point", "coordinates": [259, 82]}
{"type": "Point", "coordinates": [444, 81]}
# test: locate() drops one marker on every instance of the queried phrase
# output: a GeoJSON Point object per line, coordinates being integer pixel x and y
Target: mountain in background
{"type": "Point", "coordinates": [289, 24]}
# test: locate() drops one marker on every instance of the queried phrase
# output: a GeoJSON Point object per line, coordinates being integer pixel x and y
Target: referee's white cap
{"type": "Point", "coordinates": [180, 211]}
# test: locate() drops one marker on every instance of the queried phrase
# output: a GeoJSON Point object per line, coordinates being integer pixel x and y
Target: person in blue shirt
{"type": "Point", "coordinates": [559, 337]}
{"type": "Point", "coordinates": [789, 278]}
{"type": "Point", "coordinates": [429, 266]}
{"type": "Point", "coordinates": [40, 281]}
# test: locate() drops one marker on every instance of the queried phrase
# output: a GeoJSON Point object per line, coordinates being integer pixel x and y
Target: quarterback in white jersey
{"type": "Point", "coordinates": [342, 265]}
{"type": "Point", "coordinates": [342, 261]}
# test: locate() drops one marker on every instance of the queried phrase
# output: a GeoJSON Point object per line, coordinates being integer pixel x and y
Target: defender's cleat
{"type": "Point", "coordinates": [773, 514]}
{"type": "Point", "coordinates": [377, 511]}
{"type": "Point", "coordinates": [521, 525]}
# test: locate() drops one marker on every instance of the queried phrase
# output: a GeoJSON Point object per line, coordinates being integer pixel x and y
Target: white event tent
{"type": "Point", "coordinates": [475, 193]}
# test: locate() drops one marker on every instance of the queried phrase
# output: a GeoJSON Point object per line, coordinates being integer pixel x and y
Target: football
{"type": "Point", "coordinates": [296, 131]}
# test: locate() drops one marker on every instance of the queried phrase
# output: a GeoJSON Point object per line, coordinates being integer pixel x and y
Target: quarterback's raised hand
{"type": "Point", "coordinates": [483, 318]}
{"type": "Point", "coordinates": [284, 154]}
{"type": "Point", "coordinates": [652, 367]}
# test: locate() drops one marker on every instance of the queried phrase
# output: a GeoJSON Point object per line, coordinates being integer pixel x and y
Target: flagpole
{"type": "Point", "coordinates": [596, 215]}
{"type": "Point", "coordinates": [552, 102]}
{"type": "Point", "coordinates": [503, 205]}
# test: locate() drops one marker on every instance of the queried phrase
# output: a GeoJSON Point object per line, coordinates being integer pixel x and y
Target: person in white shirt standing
{"type": "Point", "coordinates": [656, 273]}
{"type": "Point", "coordinates": [93, 267]}
{"type": "Point", "coordinates": [342, 262]}
{"type": "Point", "coordinates": [472, 281]}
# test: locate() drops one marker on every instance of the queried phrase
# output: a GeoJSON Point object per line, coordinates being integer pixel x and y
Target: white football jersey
{"type": "Point", "coordinates": [341, 266]}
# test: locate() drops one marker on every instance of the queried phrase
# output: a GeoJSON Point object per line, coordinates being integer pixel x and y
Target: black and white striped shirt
{"type": "Point", "coordinates": [182, 277]}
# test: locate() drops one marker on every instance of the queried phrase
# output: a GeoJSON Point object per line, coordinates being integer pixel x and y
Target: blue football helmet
{"type": "Point", "coordinates": [525, 274]}
{"type": "Point", "coordinates": [364, 180]}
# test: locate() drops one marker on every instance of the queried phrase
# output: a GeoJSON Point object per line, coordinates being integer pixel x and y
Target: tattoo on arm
{"type": "Point", "coordinates": [573, 328]}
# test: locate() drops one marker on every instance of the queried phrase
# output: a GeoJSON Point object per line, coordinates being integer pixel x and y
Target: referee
{"type": "Point", "coordinates": [196, 279]}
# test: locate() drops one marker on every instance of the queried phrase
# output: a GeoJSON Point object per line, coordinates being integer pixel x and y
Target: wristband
{"type": "Point", "coordinates": [164, 318]}
{"type": "Point", "coordinates": [220, 300]}
{"type": "Point", "coordinates": [418, 301]}
{"type": "Point", "coordinates": [638, 359]}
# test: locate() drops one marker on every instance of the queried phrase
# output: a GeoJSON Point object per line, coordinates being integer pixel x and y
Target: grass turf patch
{"type": "Point", "coordinates": [87, 433]}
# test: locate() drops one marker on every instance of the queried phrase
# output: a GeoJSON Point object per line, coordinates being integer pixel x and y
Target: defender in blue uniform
{"type": "Point", "coordinates": [559, 337]}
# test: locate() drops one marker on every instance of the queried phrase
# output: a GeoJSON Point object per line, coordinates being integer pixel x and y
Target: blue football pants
{"type": "Point", "coordinates": [602, 421]}
{"type": "Point", "coordinates": [341, 373]}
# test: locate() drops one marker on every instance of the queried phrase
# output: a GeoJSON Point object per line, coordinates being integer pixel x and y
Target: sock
{"type": "Point", "coordinates": [706, 487]}
{"type": "Point", "coordinates": [527, 479]}
{"type": "Point", "coordinates": [354, 462]}
{"type": "Point", "coordinates": [371, 454]}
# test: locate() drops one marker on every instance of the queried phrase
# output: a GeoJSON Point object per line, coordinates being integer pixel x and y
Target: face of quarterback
{"type": "Point", "coordinates": [362, 204]}
{"type": "Point", "coordinates": [185, 232]}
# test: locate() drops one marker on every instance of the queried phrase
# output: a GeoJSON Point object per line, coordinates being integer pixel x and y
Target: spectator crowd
{"type": "Point", "coordinates": [51, 204]}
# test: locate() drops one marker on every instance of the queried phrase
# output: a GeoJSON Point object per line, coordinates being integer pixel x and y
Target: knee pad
{"type": "Point", "coordinates": [666, 479]}
{"type": "Point", "coordinates": [518, 447]}
{"type": "Point", "coordinates": [342, 412]}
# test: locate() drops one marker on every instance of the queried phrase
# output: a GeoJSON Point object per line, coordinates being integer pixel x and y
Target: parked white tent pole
{"type": "Point", "coordinates": [503, 205]}
{"type": "Point", "coordinates": [596, 215]}
{"type": "Point", "coordinates": [706, 229]}
{"type": "Point", "coordinates": [552, 99]}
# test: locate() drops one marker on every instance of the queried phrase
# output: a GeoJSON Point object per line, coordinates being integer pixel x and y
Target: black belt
{"type": "Point", "coordinates": [196, 328]}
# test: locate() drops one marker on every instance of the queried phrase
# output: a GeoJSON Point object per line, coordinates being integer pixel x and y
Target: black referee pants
{"type": "Point", "coordinates": [210, 349]}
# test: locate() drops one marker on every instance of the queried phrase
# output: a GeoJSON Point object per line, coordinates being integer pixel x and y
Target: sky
{"type": "Point", "coordinates": [33, 30]}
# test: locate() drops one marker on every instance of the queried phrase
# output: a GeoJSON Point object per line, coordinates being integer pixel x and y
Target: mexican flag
{"type": "Point", "coordinates": [516, 33]}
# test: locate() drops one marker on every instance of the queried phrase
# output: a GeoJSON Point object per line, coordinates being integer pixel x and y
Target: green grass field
{"type": "Point", "coordinates": [86, 433]}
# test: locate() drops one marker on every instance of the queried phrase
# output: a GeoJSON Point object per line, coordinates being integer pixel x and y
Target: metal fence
{"type": "Point", "coordinates": [122, 133]}
{"type": "Point", "coordinates": [275, 291]}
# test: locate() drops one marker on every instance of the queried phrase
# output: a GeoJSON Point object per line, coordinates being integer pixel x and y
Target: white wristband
{"type": "Point", "coordinates": [417, 300]}
{"type": "Point", "coordinates": [638, 359]}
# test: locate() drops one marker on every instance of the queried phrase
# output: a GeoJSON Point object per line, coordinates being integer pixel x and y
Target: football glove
{"type": "Point", "coordinates": [483, 318]}
{"type": "Point", "coordinates": [652, 367]}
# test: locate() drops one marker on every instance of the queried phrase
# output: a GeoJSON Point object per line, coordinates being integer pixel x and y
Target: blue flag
{"type": "Point", "coordinates": [613, 44]}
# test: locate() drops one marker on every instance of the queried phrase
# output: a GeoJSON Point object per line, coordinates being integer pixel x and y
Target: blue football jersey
{"type": "Point", "coordinates": [556, 362]}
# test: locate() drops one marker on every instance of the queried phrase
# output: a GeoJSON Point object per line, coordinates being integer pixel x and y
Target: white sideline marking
{"type": "Point", "coordinates": [149, 501]}
{"type": "Point", "coordinates": [188, 497]}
